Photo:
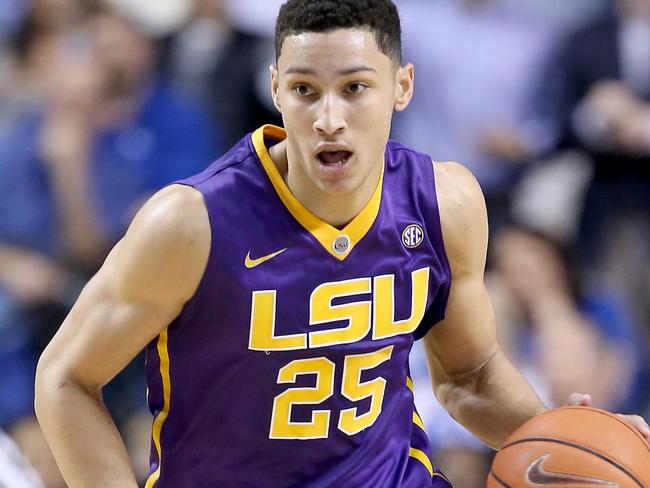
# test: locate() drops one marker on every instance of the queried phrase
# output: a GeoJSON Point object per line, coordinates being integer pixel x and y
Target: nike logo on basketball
{"type": "Point", "coordinates": [536, 475]}
{"type": "Point", "coordinates": [251, 263]}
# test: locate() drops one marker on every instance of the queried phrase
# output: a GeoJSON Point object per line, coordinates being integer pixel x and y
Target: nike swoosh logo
{"type": "Point", "coordinates": [536, 475]}
{"type": "Point", "coordinates": [251, 263]}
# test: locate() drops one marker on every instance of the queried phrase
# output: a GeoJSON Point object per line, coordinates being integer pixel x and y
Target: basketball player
{"type": "Point", "coordinates": [278, 293]}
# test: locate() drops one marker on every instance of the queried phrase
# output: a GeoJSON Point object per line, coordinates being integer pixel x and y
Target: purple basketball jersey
{"type": "Point", "coordinates": [289, 366]}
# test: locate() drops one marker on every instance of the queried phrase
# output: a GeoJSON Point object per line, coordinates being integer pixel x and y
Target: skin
{"type": "Point", "coordinates": [155, 269]}
{"type": "Point", "coordinates": [142, 286]}
{"type": "Point", "coordinates": [472, 378]}
{"type": "Point", "coordinates": [327, 97]}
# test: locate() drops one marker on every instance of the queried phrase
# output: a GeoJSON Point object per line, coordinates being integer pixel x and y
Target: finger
{"type": "Point", "coordinates": [639, 423]}
{"type": "Point", "coordinates": [579, 400]}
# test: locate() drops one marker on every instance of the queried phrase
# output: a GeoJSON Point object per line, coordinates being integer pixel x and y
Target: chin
{"type": "Point", "coordinates": [342, 187]}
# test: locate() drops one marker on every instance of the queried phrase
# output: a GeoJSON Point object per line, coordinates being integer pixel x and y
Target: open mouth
{"type": "Point", "coordinates": [334, 158]}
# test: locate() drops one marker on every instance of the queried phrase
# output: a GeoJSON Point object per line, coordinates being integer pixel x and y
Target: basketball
{"type": "Point", "coordinates": [573, 446]}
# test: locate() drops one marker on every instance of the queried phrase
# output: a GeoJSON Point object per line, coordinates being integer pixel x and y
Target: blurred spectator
{"type": "Point", "coordinates": [31, 441]}
{"type": "Point", "coordinates": [562, 15]}
{"type": "Point", "coordinates": [561, 340]}
{"type": "Point", "coordinates": [227, 67]}
{"type": "Point", "coordinates": [547, 322]}
{"type": "Point", "coordinates": [253, 16]}
{"type": "Point", "coordinates": [606, 89]}
{"type": "Point", "coordinates": [88, 130]}
{"type": "Point", "coordinates": [479, 99]}
{"type": "Point", "coordinates": [98, 134]}
{"type": "Point", "coordinates": [29, 277]}
{"type": "Point", "coordinates": [197, 48]}
{"type": "Point", "coordinates": [29, 53]}
{"type": "Point", "coordinates": [15, 472]}
{"type": "Point", "coordinates": [12, 13]}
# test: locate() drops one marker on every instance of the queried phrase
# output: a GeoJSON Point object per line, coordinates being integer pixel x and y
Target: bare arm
{"type": "Point", "coordinates": [471, 376]}
{"type": "Point", "coordinates": [144, 283]}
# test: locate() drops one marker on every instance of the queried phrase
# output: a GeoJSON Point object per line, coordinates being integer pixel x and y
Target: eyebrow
{"type": "Point", "coordinates": [347, 71]}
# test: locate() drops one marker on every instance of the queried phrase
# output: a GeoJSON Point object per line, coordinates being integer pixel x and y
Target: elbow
{"type": "Point", "coordinates": [50, 379]}
{"type": "Point", "coordinates": [444, 393]}
{"type": "Point", "coordinates": [453, 391]}
{"type": "Point", "coordinates": [42, 383]}
{"type": "Point", "coordinates": [56, 383]}
{"type": "Point", "coordinates": [450, 396]}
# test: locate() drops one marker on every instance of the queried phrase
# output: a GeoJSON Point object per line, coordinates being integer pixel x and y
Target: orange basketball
{"type": "Point", "coordinates": [573, 447]}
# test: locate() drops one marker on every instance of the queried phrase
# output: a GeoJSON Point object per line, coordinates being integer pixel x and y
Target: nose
{"type": "Point", "coordinates": [330, 119]}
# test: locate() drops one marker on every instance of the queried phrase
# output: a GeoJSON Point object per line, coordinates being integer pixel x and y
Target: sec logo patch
{"type": "Point", "coordinates": [412, 236]}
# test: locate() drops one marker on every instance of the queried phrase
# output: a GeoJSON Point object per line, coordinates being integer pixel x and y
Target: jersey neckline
{"type": "Point", "coordinates": [332, 239]}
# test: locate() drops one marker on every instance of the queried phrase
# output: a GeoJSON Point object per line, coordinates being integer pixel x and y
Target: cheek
{"type": "Point", "coordinates": [298, 111]}
{"type": "Point", "coordinates": [373, 120]}
{"type": "Point", "coordinates": [376, 109]}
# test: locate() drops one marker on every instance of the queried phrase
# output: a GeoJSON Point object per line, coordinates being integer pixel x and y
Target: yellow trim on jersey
{"type": "Point", "coordinates": [321, 230]}
{"type": "Point", "coordinates": [163, 354]}
{"type": "Point", "coordinates": [423, 458]}
{"type": "Point", "coordinates": [417, 420]}
{"type": "Point", "coordinates": [409, 383]}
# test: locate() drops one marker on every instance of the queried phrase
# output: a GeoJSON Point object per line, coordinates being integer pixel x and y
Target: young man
{"type": "Point", "coordinates": [280, 291]}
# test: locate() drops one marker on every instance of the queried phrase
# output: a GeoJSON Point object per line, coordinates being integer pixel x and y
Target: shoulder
{"type": "Point", "coordinates": [176, 209]}
{"type": "Point", "coordinates": [463, 214]}
{"type": "Point", "coordinates": [459, 193]}
{"type": "Point", "coordinates": [168, 242]}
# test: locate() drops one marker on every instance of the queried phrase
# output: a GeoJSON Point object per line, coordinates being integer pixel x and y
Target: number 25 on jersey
{"type": "Point", "coordinates": [357, 315]}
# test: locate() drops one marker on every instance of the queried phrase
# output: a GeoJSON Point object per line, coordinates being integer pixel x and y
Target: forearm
{"type": "Point", "coordinates": [82, 435]}
{"type": "Point", "coordinates": [493, 402]}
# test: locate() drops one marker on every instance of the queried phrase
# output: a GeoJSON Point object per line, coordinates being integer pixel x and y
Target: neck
{"type": "Point", "coordinates": [336, 210]}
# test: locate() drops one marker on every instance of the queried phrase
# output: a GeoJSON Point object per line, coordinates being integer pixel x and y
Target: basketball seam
{"type": "Point", "coordinates": [619, 420]}
{"type": "Point", "coordinates": [582, 448]}
{"type": "Point", "coordinates": [499, 480]}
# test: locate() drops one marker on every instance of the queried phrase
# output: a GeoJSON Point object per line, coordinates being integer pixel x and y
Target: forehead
{"type": "Point", "coordinates": [331, 50]}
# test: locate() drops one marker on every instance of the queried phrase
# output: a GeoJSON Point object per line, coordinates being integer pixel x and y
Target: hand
{"type": "Point", "coordinates": [620, 116]}
{"type": "Point", "coordinates": [582, 400]}
{"type": "Point", "coordinates": [611, 101]}
{"type": "Point", "coordinates": [632, 134]}
{"type": "Point", "coordinates": [66, 142]}
{"type": "Point", "coordinates": [504, 143]}
{"type": "Point", "coordinates": [31, 278]}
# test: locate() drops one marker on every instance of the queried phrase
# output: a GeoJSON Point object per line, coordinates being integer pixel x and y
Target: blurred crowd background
{"type": "Point", "coordinates": [547, 102]}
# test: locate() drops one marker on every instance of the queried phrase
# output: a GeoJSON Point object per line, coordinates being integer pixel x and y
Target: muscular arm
{"type": "Point", "coordinates": [471, 376]}
{"type": "Point", "coordinates": [144, 283]}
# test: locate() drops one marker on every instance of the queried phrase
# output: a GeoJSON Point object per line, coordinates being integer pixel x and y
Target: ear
{"type": "Point", "coordinates": [404, 79]}
{"type": "Point", "coordinates": [275, 83]}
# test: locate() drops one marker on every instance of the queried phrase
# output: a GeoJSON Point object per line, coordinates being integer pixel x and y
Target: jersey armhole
{"type": "Point", "coordinates": [211, 265]}
{"type": "Point", "coordinates": [436, 311]}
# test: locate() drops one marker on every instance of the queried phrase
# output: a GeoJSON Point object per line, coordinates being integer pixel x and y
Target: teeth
{"type": "Point", "coordinates": [337, 163]}
{"type": "Point", "coordinates": [340, 162]}
{"type": "Point", "coordinates": [334, 158]}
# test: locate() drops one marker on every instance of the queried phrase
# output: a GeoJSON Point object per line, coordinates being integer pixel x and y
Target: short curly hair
{"type": "Point", "coordinates": [378, 16]}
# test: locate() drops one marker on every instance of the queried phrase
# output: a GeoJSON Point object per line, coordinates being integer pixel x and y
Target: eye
{"type": "Point", "coordinates": [303, 90]}
{"type": "Point", "coordinates": [355, 88]}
